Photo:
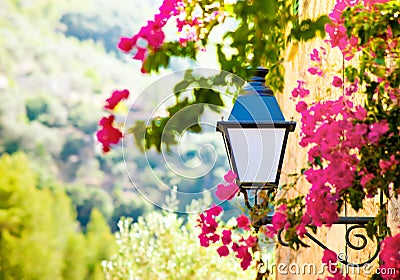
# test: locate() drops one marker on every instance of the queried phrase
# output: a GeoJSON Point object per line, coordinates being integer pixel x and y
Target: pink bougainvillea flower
{"type": "Point", "coordinates": [230, 176]}
{"type": "Point", "coordinates": [270, 231]}
{"type": "Point", "coordinates": [279, 220]}
{"type": "Point", "coordinates": [314, 56]}
{"type": "Point", "coordinates": [242, 252]}
{"type": "Point", "coordinates": [321, 206]}
{"type": "Point", "coordinates": [315, 71]}
{"type": "Point", "coordinates": [352, 88]}
{"type": "Point", "coordinates": [226, 237]}
{"type": "Point", "coordinates": [204, 240]}
{"type": "Point", "coordinates": [243, 222]}
{"type": "Point", "coordinates": [140, 54]}
{"type": "Point", "coordinates": [251, 241]}
{"type": "Point", "coordinates": [388, 164]}
{"type": "Point", "coordinates": [377, 130]}
{"type": "Point", "coordinates": [214, 210]}
{"type": "Point", "coordinates": [246, 261]}
{"type": "Point", "coordinates": [300, 90]}
{"type": "Point", "coordinates": [366, 177]}
{"type": "Point", "coordinates": [360, 113]}
{"type": "Point", "coordinates": [126, 44]}
{"type": "Point", "coordinates": [226, 192]}
{"type": "Point", "coordinates": [180, 24]}
{"type": "Point", "coordinates": [301, 106]}
{"type": "Point", "coordinates": [390, 256]}
{"type": "Point", "coordinates": [223, 251]}
{"type": "Point", "coordinates": [208, 225]}
{"type": "Point", "coordinates": [108, 134]}
{"type": "Point", "coordinates": [301, 228]}
{"type": "Point", "coordinates": [337, 82]}
{"type": "Point", "coordinates": [153, 33]}
{"type": "Point", "coordinates": [329, 257]}
{"type": "Point", "coordinates": [115, 98]}
{"type": "Point", "coordinates": [338, 36]}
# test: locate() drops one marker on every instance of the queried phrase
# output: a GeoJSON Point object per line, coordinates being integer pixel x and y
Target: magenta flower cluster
{"type": "Point", "coordinates": [229, 189]}
{"type": "Point", "coordinates": [279, 221]}
{"type": "Point", "coordinates": [241, 248]}
{"type": "Point", "coordinates": [337, 31]}
{"type": "Point", "coordinates": [108, 134]}
{"type": "Point", "coordinates": [390, 256]}
{"type": "Point", "coordinates": [209, 225]}
{"type": "Point", "coordinates": [330, 259]}
{"type": "Point", "coordinates": [151, 36]}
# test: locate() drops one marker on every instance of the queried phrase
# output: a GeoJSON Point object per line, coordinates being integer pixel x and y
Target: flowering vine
{"type": "Point", "coordinates": [352, 149]}
{"type": "Point", "coordinates": [240, 247]}
{"type": "Point", "coordinates": [193, 23]}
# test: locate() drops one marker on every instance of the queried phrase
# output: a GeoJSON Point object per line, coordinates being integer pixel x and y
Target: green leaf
{"type": "Point", "coordinates": [356, 198]}
{"type": "Point", "coordinates": [209, 96]}
{"type": "Point", "coordinates": [371, 229]}
{"type": "Point", "coordinates": [178, 106]}
{"type": "Point", "coordinates": [138, 131]}
{"type": "Point", "coordinates": [270, 7]}
{"type": "Point", "coordinates": [181, 86]}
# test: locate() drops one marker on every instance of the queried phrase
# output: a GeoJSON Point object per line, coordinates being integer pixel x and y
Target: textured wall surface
{"type": "Point", "coordinates": [298, 61]}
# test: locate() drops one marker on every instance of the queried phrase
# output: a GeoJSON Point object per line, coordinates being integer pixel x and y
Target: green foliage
{"type": "Point", "coordinates": [263, 31]}
{"type": "Point", "coordinates": [39, 236]}
{"type": "Point", "coordinates": [161, 246]}
{"type": "Point", "coordinates": [72, 147]}
{"type": "Point", "coordinates": [132, 206]}
{"type": "Point", "coordinates": [86, 27]}
{"type": "Point", "coordinates": [75, 261]}
{"type": "Point", "coordinates": [161, 58]}
{"type": "Point", "coordinates": [100, 244]}
{"type": "Point", "coordinates": [85, 199]}
{"type": "Point", "coordinates": [85, 117]}
{"type": "Point", "coordinates": [46, 110]}
{"type": "Point", "coordinates": [205, 93]}
{"type": "Point", "coordinates": [309, 29]}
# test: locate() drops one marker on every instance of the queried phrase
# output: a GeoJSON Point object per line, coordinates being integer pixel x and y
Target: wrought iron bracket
{"type": "Point", "coordinates": [355, 222]}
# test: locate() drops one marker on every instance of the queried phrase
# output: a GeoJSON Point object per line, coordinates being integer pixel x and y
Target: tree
{"type": "Point", "coordinates": [100, 244]}
{"type": "Point", "coordinates": [34, 245]}
{"type": "Point", "coordinates": [85, 199]}
{"type": "Point", "coordinates": [39, 234]}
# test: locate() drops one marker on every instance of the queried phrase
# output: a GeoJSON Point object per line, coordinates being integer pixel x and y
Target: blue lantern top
{"type": "Point", "coordinates": [257, 102]}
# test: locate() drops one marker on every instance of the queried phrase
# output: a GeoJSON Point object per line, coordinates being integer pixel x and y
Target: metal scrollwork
{"type": "Point", "coordinates": [362, 237]}
{"type": "Point", "coordinates": [342, 257]}
{"type": "Point", "coordinates": [280, 240]}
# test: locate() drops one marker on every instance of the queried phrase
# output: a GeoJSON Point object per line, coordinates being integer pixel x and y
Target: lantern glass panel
{"type": "Point", "coordinates": [256, 152]}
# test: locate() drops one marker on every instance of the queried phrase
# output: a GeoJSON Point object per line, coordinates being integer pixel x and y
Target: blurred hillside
{"type": "Point", "coordinates": [58, 63]}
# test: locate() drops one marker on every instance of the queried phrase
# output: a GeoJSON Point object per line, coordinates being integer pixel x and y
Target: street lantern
{"type": "Point", "coordinates": [255, 137]}
{"type": "Point", "coordinates": [256, 134]}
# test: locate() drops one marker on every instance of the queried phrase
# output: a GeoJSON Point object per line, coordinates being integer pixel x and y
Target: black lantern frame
{"type": "Point", "coordinates": [224, 126]}
{"type": "Point", "coordinates": [256, 108]}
